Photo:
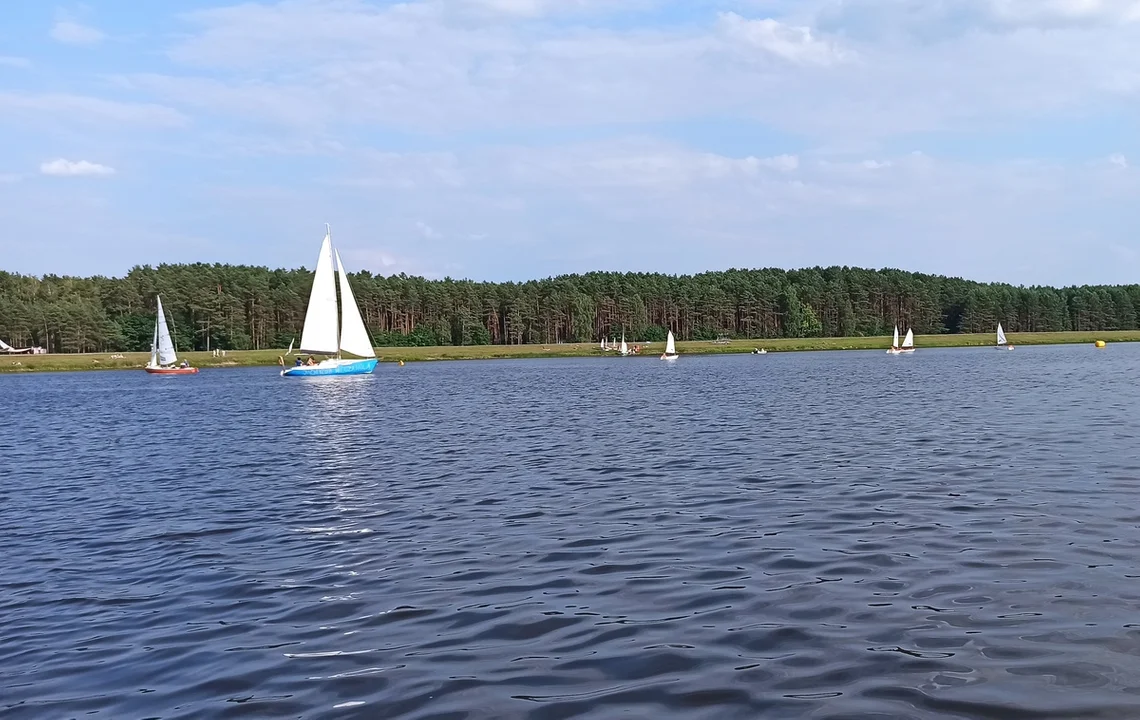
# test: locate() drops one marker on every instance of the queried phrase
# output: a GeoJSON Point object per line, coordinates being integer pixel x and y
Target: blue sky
{"type": "Point", "coordinates": [510, 139]}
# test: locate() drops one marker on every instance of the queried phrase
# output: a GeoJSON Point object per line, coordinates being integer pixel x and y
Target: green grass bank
{"type": "Point", "coordinates": [254, 358]}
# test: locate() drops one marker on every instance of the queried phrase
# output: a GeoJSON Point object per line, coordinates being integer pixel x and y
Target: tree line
{"type": "Point", "coordinates": [242, 307]}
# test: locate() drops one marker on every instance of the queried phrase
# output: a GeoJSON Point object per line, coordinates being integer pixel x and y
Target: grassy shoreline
{"type": "Point", "coordinates": [261, 358]}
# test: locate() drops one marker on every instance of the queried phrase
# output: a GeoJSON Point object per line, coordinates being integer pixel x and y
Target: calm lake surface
{"type": "Point", "coordinates": [817, 535]}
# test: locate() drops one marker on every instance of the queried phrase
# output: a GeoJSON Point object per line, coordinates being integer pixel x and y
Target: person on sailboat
{"type": "Point", "coordinates": [299, 362]}
{"type": "Point", "coordinates": [311, 361]}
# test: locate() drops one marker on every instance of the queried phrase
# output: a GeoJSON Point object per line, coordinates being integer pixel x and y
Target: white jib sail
{"type": "Point", "coordinates": [624, 347]}
{"type": "Point", "coordinates": [354, 337]}
{"type": "Point", "coordinates": [1000, 335]}
{"type": "Point", "coordinates": [670, 345]}
{"type": "Point", "coordinates": [908, 341]}
{"type": "Point", "coordinates": [895, 341]}
{"type": "Point", "coordinates": [166, 354]}
{"type": "Point", "coordinates": [319, 334]}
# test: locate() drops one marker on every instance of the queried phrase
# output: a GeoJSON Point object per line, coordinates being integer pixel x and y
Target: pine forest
{"type": "Point", "coordinates": [240, 307]}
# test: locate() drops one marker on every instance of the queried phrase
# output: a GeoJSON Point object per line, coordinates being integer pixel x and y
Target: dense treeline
{"type": "Point", "coordinates": [240, 307]}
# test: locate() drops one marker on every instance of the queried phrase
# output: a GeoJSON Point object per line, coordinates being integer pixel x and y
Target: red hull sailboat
{"type": "Point", "coordinates": [162, 355]}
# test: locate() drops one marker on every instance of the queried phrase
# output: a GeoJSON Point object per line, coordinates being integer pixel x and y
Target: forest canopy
{"type": "Point", "coordinates": [241, 307]}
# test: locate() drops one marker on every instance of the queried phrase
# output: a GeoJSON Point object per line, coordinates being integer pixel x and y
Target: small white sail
{"type": "Point", "coordinates": [319, 335]}
{"type": "Point", "coordinates": [166, 354]}
{"type": "Point", "coordinates": [624, 347]}
{"type": "Point", "coordinates": [5, 346]}
{"type": "Point", "coordinates": [895, 341]}
{"type": "Point", "coordinates": [1001, 336]}
{"type": "Point", "coordinates": [154, 347]}
{"type": "Point", "coordinates": [670, 344]}
{"type": "Point", "coordinates": [353, 335]}
{"type": "Point", "coordinates": [908, 341]}
{"type": "Point", "coordinates": [603, 343]}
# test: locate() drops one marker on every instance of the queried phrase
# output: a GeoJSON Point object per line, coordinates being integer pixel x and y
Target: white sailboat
{"type": "Point", "coordinates": [163, 359]}
{"type": "Point", "coordinates": [321, 334]}
{"type": "Point", "coordinates": [670, 348]}
{"type": "Point", "coordinates": [907, 345]}
{"type": "Point", "coordinates": [624, 349]}
{"type": "Point", "coordinates": [1002, 343]}
{"type": "Point", "coordinates": [9, 350]}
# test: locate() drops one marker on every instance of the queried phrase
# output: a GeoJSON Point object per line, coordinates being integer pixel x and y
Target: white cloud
{"type": "Point", "coordinates": [416, 66]}
{"type": "Point", "coordinates": [350, 80]}
{"type": "Point", "coordinates": [70, 32]}
{"type": "Point", "coordinates": [931, 20]}
{"type": "Point", "coordinates": [1063, 12]}
{"type": "Point", "coordinates": [643, 204]}
{"type": "Point", "coordinates": [427, 232]}
{"type": "Point", "coordinates": [796, 44]}
{"type": "Point", "coordinates": [540, 8]}
{"type": "Point", "coordinates": [72, 168]}
{"type": "Point", "coordinates": [1118, 160]}
{"type": "Point", "coordinates": [413, 66]}
{"type": "Point", "coordinates": [786, 163]}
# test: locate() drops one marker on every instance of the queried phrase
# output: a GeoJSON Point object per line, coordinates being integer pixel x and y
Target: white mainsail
{"type": "Point", "coordinates": [1001, 336]}
{"type": "Point", "coordinates": [353, 335]}
{"type": "Point", "coordinates": [624, 347]}
{"type": "Point", "coordinates": [670, 344]}
{"type": "Point", "coordinates": [895, 341]}
{"type": "Point", "coordinates": [319, 334]}
{"type": "Point", "coordinates": [154, 347]}
{"type": "Point", "coordinates": [164, 346]}
{"type": "Point", "coordinates": [908, 341]}
{"type": "Point", "coordinates": [5, 346]}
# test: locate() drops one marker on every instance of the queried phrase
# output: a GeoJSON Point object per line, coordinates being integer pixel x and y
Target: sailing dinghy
{"type": "Point", "coordinates": [624, 348]}
{"type": "Point", "coordinates": [670, 348]}
{"type": "Point", "coordinates": [1002, 343]}
{"type": "Point", "coordinates": [9, 350]}
{"type": "Point", "coordinates": [162, 355]}
{"type": "Point", "coordinates": [320, 335]}
{"type": "Point", "coordinates": [907, 343]}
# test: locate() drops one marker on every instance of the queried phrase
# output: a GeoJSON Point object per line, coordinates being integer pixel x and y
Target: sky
{"type": "Point", "coordinates": [517, 139]}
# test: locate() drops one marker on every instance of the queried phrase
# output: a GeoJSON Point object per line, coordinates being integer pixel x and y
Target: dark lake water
{"type": "Point", "coordinates": [823, 535]}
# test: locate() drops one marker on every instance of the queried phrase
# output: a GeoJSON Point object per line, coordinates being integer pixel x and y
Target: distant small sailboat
{"type": "Point", "coordinates": [670, 348]}
{"type": "Point", "coordinates": [1002, 343]}
{"type": "Point", "coordinates": [603, 344]}
{"type": "Point", "coordinates": [162, 355]}
{"type": "Point", "coordinates": [320, 334]}
{"type": "Point", "coordinates": [624, 349]}
{"type": "Point", "coordinates": [907, 343]}
{"type": "Point", "coordinates": [759, 351]}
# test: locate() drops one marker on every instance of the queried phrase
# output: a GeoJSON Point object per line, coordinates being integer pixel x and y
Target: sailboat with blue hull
{"type": "Point", "coordinates": [321, 334]}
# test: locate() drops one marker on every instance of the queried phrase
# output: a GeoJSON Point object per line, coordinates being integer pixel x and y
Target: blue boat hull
{"type": "Point", "coordinates": [332, 367]}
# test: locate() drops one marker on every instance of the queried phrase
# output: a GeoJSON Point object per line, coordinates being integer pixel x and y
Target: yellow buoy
{"type": "Point", "coordinates": [1100, 343]}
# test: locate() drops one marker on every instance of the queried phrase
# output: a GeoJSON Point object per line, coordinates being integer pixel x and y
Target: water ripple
{"type": "Point", "coordinates": [831, 535]}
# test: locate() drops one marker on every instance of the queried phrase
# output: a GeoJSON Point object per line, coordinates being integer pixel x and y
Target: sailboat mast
{"type": "Point", "coordinates": [340, 300]}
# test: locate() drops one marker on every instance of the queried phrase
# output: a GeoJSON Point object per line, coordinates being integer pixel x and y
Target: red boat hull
{"type": "Point", "coordinates": [172, 371]}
